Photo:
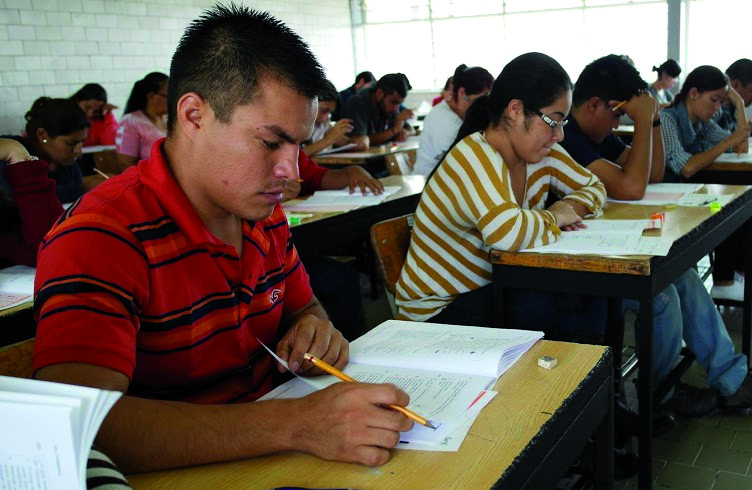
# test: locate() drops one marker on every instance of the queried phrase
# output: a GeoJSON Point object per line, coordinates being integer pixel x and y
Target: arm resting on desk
{"type": "Point", "coordinates": [342, 422]}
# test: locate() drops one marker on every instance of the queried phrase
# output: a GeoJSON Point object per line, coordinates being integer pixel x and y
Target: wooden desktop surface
{"type": "Point", "coordinates": [528, 396]}
{"type": "Point", "coordinates": [410, 185]}
{"type": "Point", "coordinates": [680, 220]}
{"type": "Point", "coordinates": [358, 158]}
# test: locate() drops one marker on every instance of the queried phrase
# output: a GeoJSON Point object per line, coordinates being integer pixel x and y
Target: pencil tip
{"type": "Point", "coordinates": [429, 424]}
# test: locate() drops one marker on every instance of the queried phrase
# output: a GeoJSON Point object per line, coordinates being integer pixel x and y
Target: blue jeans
{"type": "Point", "coordinates": [561, 316]}
{"type": "Point", "coordinates": [686, 310]}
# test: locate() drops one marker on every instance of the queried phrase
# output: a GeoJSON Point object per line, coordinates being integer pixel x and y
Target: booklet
{"type": "Point", "coordinates": [16, 286]}
{"type": "Point", "coordinates": [444, 368]}
{"type": "Point", "coordinates": [48, 429]}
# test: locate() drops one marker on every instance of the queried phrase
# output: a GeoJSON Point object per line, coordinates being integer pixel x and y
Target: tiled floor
{"type": "Point", "coordinates": [710, 453]}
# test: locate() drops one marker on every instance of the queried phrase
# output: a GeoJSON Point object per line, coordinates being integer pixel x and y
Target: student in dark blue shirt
{"type": "Point", "coordinates": [684, 309]}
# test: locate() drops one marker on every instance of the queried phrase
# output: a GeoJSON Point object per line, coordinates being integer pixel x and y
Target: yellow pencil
{"type": "Point", "coordinates": [339, 374]}
{"type": "Point", "coordinates": [618, 105]}
{"type": "Point", "coordinates": [101, 173]}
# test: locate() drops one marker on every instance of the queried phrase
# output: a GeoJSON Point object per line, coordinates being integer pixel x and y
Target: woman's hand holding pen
{"type": "Point", "coordinates": [349, 422]}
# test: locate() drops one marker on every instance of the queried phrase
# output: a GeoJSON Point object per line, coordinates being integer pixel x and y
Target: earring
{"type": "Point", "coordinates": [44, 141]}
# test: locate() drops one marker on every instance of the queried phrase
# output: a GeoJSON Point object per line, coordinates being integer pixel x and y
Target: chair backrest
{"type": "Point", "coordinates": [401, 163]}
{"type": "Point", "coordinates": [15, 359]}
{"type": "Point", "coordinates": [390, 240]}
{"type": "Point", "coordinates": [107, 161]}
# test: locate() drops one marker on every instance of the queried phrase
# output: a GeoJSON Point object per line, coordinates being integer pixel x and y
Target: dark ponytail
{"type": "Point", "coordinates": [151, 83]}
{"type": "Point", "coordinates": [534, 78]}
{"type": "Point", "coordinates": [703, 78]}
{"type": "Point", "coordinates": [475, 80]}
{"type": "Point", "coordinates": [669, 67]}
{"type": "Point", "coordinates": [56, 116]}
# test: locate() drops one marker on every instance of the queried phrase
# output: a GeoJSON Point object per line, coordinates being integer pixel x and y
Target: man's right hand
{"type": "Point", "coordinates": [404, 115]}
{"type": "Point", "coordinates": [641, 106]}
{"type": "Point", "coordinates": [341, 128]}
{"type": "Point", "coordinates": [349, 422]}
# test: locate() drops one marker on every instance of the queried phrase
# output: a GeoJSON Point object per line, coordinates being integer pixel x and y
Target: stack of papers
{"type": "Point", "coordinates": [48, 429]}
{"type": "Point", "coordinates": [339, 200]}
{"type": "Point", "coordinates": [661, 194]}
{"type": "Point", "coordinates": [16, 286]}
{"type": "Point", "coordinates": [446, 369]}
{"type": "Point", "coordinates": [609, 237]}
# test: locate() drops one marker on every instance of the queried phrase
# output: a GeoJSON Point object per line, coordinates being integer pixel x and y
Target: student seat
{"type": "Point", "coordinates": [401, 163]}
{"type": "Point", "coordinates": [390, 240]}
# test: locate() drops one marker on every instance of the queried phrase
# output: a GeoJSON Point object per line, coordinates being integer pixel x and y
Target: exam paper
{"type": "Point", "coordinates": [733, 158]}
{"type": "Point", "coordinates": [700, 200]}
{"type": "Point", "coordinates": [663, 193]}
{"type": "Point", "coordinates": [349, 146]}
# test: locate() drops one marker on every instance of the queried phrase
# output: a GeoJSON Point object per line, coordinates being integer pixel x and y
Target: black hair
{"type": "Point", "coordinates": [474, 80]}
{"type": "Point", "coordinates": [365, 75]}
{"type": "Point", "coordinates": [329, 92]}
{"type": "Point", "coordinates": [151, 83]}
{"type": "Point", "coordinates": [611, 77]}
{"type": "Point", "coordinates": [56, 116]}
{"type": "Point", "coordinates": [703, 78]}
{"type": "Point", "coordinates": [90, 91]}
{"type": "Point", "coordinates": [534, 78]}
{"type": "Point", "coordinates": [225, 53]}
{"type": "Point", "coordinates": [394, 82]}
{"type": "Point", "coordinates": [669, 67]}
{"type": "Point", "coordinates": [449, 81]}
{"type": "Point", "coordinates": [740, 70]}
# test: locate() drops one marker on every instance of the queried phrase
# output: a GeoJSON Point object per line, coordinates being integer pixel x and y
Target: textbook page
{"type": "Point", "coordinates": [663, 193]}
{"type": "Point", "coordinates": [443, 398]}
{"type": "Point", "coordinates": [16, 286]}
{"type": "Point", "coordinates": [444, 348]}
{"type": "Point", "coordinates": [37, 451]}
{"type": "Point", "coordinates": [733, 158]}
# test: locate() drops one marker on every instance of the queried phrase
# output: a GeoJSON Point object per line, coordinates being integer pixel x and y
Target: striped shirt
{"type": "Point", "coordinates": [468, 207]}
{"type": "Point", "coordinates": [131, 279]}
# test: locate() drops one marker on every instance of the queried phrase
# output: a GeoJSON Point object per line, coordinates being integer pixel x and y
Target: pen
{"type": "Point", "coordinates": [101, 173]}
{"type": "Point", "coordinates": [618, 105]}
{"type": "Point", "coordinates": [339, 374]}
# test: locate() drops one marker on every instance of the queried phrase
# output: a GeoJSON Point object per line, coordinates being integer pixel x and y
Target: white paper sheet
{"type": "Point", "coordinates": [337, 150]}
{"type": "Point", "coordinates": [732, 158]}
{"type": "Point", "coordinates": [700, 200]}
{"type": "Point", "coordinates": [18, 279]}
{"type": "Point", "coordinates": [663, 193]}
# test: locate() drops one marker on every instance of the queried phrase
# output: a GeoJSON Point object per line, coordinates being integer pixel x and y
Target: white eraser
{"type": "Point", "coordinates": [547, 362]}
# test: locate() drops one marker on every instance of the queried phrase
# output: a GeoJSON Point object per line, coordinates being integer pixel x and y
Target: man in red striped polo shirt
{"type": "Point", "coordinates": [163, 281]}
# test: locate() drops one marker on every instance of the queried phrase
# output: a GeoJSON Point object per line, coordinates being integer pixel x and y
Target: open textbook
{"type": "Point", "coordinates": [16, 285]}
{"type": "Point", "coordinates": [47, 432]}
{"type": "Point", "coordinates": [446, 369]}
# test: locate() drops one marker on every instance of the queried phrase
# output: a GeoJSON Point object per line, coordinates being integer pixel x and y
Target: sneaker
{"type": "Point", "coordinates": [627, 422]}
{"type": "Point", "coordinates": [689, 401]}
{"type": "Point", "coordinates": [734, 292]}
{"type": "Point", "coordinates": [742, 398]}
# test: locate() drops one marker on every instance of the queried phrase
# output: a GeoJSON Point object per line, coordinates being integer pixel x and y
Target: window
{"type": "Point", "coordinates": [717, 33]}
{"type": "Point", "coordinates": [428, 39]}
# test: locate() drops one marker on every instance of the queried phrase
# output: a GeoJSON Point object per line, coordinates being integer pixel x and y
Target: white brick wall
{"type": "Point", "coordinates": [53, 47]}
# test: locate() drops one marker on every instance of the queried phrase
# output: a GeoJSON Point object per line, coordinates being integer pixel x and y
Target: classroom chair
{"type": "Point", "coordinates": [401, 163]}
{"type": "Point", "coordinates": [390, 240]}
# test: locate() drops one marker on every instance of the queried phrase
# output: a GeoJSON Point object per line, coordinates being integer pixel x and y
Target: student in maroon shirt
{"type": "Point", "coordinates": [29, 208]}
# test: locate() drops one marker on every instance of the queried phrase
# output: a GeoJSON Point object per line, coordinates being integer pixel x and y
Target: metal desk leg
{"type": "Point", "coordinates": [498, 307]}
{"type": "Point", "coordinates": [645, 392]}
{"type": "Point", "coordinates": [603, 443]}
{"type": "Point", "coordinates": [747, 305]}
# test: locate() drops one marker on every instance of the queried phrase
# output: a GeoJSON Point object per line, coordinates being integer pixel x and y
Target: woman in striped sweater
{"type": "Point", "coordinates": [490, 191]}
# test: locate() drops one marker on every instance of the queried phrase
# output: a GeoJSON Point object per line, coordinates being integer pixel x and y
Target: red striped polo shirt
{"type": "Point", "coordinates": [131, 279]}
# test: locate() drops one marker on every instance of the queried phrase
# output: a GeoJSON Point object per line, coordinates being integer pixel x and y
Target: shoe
{"type": "Point", "coordinates": [689, 401]}
{"type": "Point", "coordinates": [742, 398]}
{"type": "Point", "coordinates": [627, 422]}
{"type": "Point", "coordinates": [734, 292]}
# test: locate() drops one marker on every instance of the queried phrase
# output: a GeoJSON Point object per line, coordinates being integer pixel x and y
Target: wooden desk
{"type": "Point", "coordinates": [372, 155]}
{"type": "Point", "coordinates": [624, 131]}
{"type": "Point", "coordinates": [325, 230]}
{"type": "Point", "coordinates": [696, 232]}
{"type": "Point", "coordinates": [17, 323]}
{"type": "Point", "coordinates": [525, 438]}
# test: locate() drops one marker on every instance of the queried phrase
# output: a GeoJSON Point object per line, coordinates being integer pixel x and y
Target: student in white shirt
{"type": "Point", "coordinates": [442, 123]}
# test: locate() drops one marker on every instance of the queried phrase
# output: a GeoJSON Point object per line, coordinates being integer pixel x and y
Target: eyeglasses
{"type": "Point", "coordinates": [553, 124]}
